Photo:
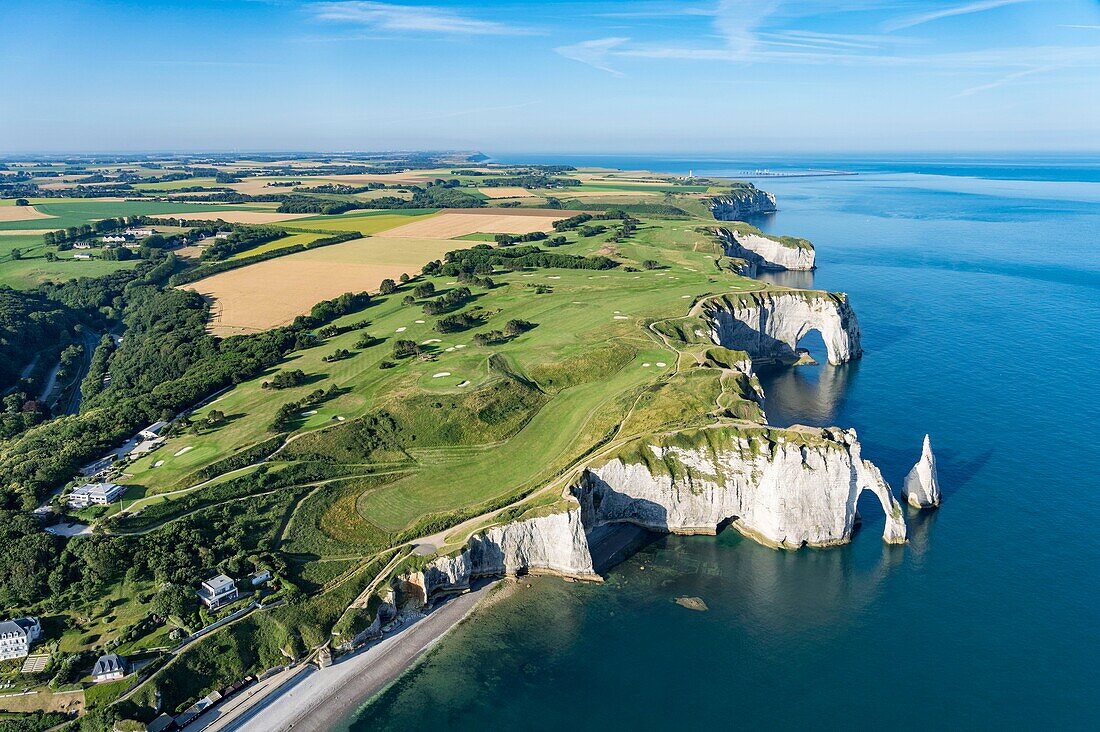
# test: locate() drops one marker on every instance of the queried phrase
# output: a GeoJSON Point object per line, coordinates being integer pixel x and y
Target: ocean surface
{"type": "Point", "coordinates": [977, 284]}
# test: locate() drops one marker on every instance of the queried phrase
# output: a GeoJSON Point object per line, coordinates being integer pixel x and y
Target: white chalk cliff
{"type": "Point", "coordinates": [922, 485]}
{"type": "Point", "coordinates": [785, 488]}
{"type": "Point", "coordinates": [766, 252]}
{"type": "Point", "coordinates": [769, 324]}
{"type": "Point", "coordinates": [553, 544]}
{"type": "Point", "coordinates": [741, 202]}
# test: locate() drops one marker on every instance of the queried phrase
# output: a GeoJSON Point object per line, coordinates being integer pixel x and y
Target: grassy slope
{"type": "Point", "coordinates": [579, 313]}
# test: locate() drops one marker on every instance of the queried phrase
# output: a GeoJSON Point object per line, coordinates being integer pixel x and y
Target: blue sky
{"type": "Point", "coordinates": [645, 76]}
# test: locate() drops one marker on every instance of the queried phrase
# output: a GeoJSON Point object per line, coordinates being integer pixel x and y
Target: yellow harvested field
{"type": "Point", "coordinates": [507, 192]}
{"type": "Point", "coordinates": [253, 186]}
{"type": "Point", "coordinates": [235, 217]}
{"type": "Point", "coordinates": [583, 193]}
{"type": "Point", "coordinates": [450, 224]}
{"type": "Point", "coordinates": [22, 213]}
{"type": "Point", "coordinates": [418, 176]}
{"type": "Point", "coordinates": [273, 293]}
{"type": "Point", "coordinates": [365, 225]}
{"type": "Point", "coordinates": [23, 232]}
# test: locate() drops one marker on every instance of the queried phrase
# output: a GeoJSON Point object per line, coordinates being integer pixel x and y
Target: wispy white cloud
{"type": "Point", "coordinates": [739, 23]}
{"type": "Point", "coordinates": [595, 53]}
{"type": "Point", "coordinates": [1003, 81]}
{"type": "Point", "coordinates": [410, 18]}
{"type": "Point", "coordinates": [660, 10]}
{"type": "Point", "coordinates": [910, 21]}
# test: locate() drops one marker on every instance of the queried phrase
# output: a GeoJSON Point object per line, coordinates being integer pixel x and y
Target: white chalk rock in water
{"type": "Point", "coordinates": [922, 485]}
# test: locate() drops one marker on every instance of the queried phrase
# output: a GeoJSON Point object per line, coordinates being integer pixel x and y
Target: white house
{"type": "Point", "coordinates": [153, 431]}
{"type": "Point", "coordinates": [82, 245]}
{"type": "Point", "coordinates": [17, 636]}
{"type": "Point", "coordinates": [114, 238]}
{"type": "Point", "coordinates": [260, 577]}
{"type": "Point", "coordinates": [110, 667]}
{"type": "Point", "coordinates": [82, 256]}
{"type": "Point", "coordinates": [218, 591]}
{"type": "Point", "coordinates": [139, 232]}
{"type": "Point", "coordinates": [223, 234]}
{"type": "Point", "coordinates": [95, 494]}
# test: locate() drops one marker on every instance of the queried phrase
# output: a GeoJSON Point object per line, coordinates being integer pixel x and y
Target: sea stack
{"type": "Point", "coordinates": [922, 485]}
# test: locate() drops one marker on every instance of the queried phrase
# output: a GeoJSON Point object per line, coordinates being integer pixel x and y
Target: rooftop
{"type": "Point", "coordinates": [111, 663]}
{"type": "Point", "coordinates": [218, 584]}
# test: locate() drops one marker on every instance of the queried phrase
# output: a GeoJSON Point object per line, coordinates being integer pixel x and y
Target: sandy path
{"type": "Point", "coordinates": [319, 699]}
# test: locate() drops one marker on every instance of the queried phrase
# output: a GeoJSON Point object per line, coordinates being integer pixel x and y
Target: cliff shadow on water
{"type": "Point", "coordinates": [811, 394]}
{"type": "Point", "coordinates": [793, 278]}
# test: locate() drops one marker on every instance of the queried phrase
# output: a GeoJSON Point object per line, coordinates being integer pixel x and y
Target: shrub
{"type": "Point", "coordinates": [366, 341]}
{"type": "Point", "coordinates": [286, 380]}
{"type": "Point", "coordinates": [405, 348]}
{"type": "Point", "coordinates": [338, 355]}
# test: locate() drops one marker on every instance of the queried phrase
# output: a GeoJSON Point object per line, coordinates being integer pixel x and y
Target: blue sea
{"type": "Point", "coordinates": [977, 284]}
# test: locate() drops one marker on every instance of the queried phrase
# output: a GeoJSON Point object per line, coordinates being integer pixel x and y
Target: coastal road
{"type": "Point", "coordinates": [314, 700]}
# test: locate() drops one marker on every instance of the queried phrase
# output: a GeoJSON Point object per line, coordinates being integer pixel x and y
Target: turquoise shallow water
{"type": "Point", "coordinates": [980, 305]}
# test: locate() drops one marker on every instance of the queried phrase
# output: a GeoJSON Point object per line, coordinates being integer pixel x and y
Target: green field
{"type": "Point", "coordinates": [74, 212]}
{"type": "Point", "coordinates": [365, 223]}
{"type": "Point", "coordinates": [175, 185]}
{"type": "Point", "coordinates": [291, 240]}
{"type": "Point", "coordinates": [32, 268]}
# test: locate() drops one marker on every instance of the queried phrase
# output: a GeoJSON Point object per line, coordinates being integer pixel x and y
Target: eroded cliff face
{"type": "Point", "coordinates": [785, 488]}
{"type": "Point", "coordinates": [742, 202]}
{"type": "Point", "coordinates": [553, 544]}
{"type": "Point", "coordinates": [769, 324]}
{"type": "Point", "coordinates": [766, 252]}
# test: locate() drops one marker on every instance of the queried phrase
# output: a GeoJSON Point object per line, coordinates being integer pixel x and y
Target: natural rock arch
{"type": "Point", "coordinates": [769, 324]}
{"type": "Point", "coordinates": [779, 491]}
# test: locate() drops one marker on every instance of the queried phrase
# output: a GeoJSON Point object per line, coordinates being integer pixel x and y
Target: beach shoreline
{"type": "Point", "coordinates": [312, 700]}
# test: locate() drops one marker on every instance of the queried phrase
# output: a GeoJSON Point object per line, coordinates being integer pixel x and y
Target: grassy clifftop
{"type": "Point", "coordinates": [791, 242]}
